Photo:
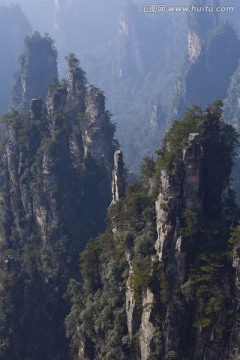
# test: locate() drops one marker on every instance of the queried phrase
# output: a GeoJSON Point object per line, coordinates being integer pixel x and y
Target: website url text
{"type": "Point", "coordinates": [154, 8]}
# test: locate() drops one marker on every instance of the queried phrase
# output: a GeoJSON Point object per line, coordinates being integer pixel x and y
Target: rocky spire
{"type": "Point", "coordinates": [97, 134]}
{"type": "Point", "coordinates": [38, 67]}
{"type": "Point", "coordinates": [76, 84]}
{"type": "Point", "coordinates": [118, 183]}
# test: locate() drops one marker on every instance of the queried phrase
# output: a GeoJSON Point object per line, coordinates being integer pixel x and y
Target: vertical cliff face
{"type": "Point", "coordinates": [170, 234]}
{"type": "Point", "coordinates": [192, 191]}
{"type": "Point", "coordinates": [176, 195]}
{"type": "Point", "coordinates": [55, 190]}
{"type": "Point", "coordinates": [191, 196]}
{"type": "Point", "coordinates": [200, 22]}
{"type": "Point", "coordinates": [38, 68]}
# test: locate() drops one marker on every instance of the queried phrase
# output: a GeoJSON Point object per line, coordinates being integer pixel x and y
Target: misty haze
{"type": "Point", "coordinates": [119, 180]}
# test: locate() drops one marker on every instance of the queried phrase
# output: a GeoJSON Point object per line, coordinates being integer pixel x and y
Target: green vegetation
{"type": "Point", "coordinates": [191, 223]}
{"type": "Point", "coordinates": [41, 264]}
{"type": "Point", "coordinates": [208, 291]}
{"type": "Point", "coordinates": [170, 154]}
{"type": "Point", "coordinates": [104, 269]}
{"type": "Point", "coordinates": [98, 307]}
{"type": "Point", "coordinates": [53, 200]}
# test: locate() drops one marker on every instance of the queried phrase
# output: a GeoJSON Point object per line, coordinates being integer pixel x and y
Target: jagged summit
{"type": "Point", "coordinates": [38, 68]}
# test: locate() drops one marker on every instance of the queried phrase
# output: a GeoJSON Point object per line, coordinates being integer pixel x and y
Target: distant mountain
{"type": "Point", "coordinates": [207, 77]}
{"type": "Point", "coordinates": [14, 26]}
{"type": "Point", "coordinates": [137, 72]}
{"type": "Point", "coordinates": [77, 26]}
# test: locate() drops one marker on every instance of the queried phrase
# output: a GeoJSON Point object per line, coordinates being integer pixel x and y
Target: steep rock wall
{"type": "Point", "coordinates": [54, 197]}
